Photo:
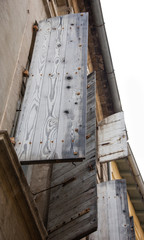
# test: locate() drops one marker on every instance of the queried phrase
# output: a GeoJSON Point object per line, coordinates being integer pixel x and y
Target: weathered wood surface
{"type": "Point", "coordinates": [132, 228]}
{"type": "Point", "coordinates": [112, 138]}
{"type": "Point", "coordinates": [73, 201]}
{"type": "Point", "coordinates": [51, 126]}
{"type": "Point", "coordinates": [19, 217]}
{"type": "Point", "coordinates": [113, 215]}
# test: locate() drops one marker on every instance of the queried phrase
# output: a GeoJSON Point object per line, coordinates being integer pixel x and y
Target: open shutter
{"type": "Point", "coordinates": [132, 228]}
{"type": "Point", "coordinates": [51, 126]}
{"type": "Point", "coordinates": [73, 200]}
{"type": "Point", "coordinates": [112, 138]}
{"type": "Point", "coordinates": [113, 215]}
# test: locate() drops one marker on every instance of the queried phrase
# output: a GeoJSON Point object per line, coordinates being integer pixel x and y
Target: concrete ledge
{"type": "Point", "coordinates": [19, 217]}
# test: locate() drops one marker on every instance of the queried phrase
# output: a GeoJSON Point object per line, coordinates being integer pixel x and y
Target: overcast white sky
{"type": "Point", "coordinates": [124, 22]}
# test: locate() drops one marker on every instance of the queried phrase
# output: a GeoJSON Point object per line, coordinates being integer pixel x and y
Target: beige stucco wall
{"type": "Point", "coordinates": [16, 27]}
{"type": "Point", "coordinates": [16, 18]}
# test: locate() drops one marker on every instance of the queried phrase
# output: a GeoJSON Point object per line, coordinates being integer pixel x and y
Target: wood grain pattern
{"type": "Point", "coordinates": [73, 208]}
{"type": "Point", "coordinates": [51, 126]}
{"type": "Point", "coordinates": [113, 215]}
{"type": "Point", "coordinates": [112, 138]}
{"type": "Point", "coordinates": [132, 228]}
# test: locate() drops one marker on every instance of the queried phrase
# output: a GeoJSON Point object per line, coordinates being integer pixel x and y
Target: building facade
{"type": "Point", "coordinates": [18, 33]}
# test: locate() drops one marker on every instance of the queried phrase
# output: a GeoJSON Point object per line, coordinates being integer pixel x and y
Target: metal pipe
{"type": "Point", "coordinates": [99, 23]}
{"type": "Point", "coordinates": [109, 171]}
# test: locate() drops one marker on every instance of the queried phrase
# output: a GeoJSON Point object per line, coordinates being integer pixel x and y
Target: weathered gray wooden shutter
{"type": "Point", "coordinates": [51, 126]}
{"type": "Point", "coordinates": [132, 228]}
{"type": "Point", "coordinates": [113, 215]}
{"type": "Point", "coordinates": [73, 201]}
{"type": "Point", "coordinates": [112, 138]}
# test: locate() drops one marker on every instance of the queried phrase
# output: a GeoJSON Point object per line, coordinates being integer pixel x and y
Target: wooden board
{"type": "Point", "coordinates": [113, 215]}
{"type": "Point", "coordinates": [51, 126]}
{"type": "Point", "coordinates": [112, 138]}
{"type": "Point", "coordinates": [19, 217]}
{"type": "Point", "coordinates": [73, 201]}
{"type": "Point", "coordinates": [132, 228]}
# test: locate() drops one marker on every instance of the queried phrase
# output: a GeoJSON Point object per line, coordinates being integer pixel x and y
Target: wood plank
{"type": "Point", "coordinates": [132, 228]}
{"type": "Point", "coordinates": [113, 215]}
{"type": "Point", "coordinates": [112, 138]}
{"type": "Point", "coordinates": [51, 127]}
{"type": "Point", "coordinates": [73, 208]}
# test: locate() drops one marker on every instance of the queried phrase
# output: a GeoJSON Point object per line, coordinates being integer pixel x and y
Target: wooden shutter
{"type": "Point", "coordinates": [51, 126]}
{"type": "Point", "coordinates": [112, 138]}
{"type": "Point", "coordinates": [132, 228]}
{"type": "Point", "coordinates": [113, 215]}
{"type": "Point", "coordinates": [73, 201]}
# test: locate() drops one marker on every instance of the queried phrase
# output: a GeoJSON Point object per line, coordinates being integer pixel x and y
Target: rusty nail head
{"type": "Point", "coordinates": [72, 140]}
{"type": "Point", "coordinates": [35, 27]}
{"type": "Point", "coordinates": [19, 142]}
{"type": "Point", "coordinates": [88, 136]}
{"type": "Point", "coordinates": [81, 14]}
{"type": "Point", "coordinates": [80, 45]}
{"type": "Point", "coordinates": [88, 86]}
{"type": "Point", "coordinates": [78, 93]}
{"type": "Point", "coordinates": [62, 140]}
{"type": "Point", "coordinates": [51, 141]}
{"type": "Point", "coordinates": [25, 73]}
{"type": "Point", "coordinates": [75, 153]}
{"type": "Point", "coordinates": [30, 142]}
{"type": "Point", "coordinates": [90, 167]}
{"type": "Point", "coordinates": [75, 72]}
{"type": "Point", "coordinates": [79, 68]}
{"type": "Point", "coordinates": [76, 129]}
{"type": "Point", "coordinates": [41, 142]}
{"type": "Point", "coordinates": [12, 140]}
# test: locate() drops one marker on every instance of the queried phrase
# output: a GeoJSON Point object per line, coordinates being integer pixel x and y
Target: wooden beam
{"type": "Point", "coordinates": [137, 200]}
{"type": "Point", "coordinates": [140, 213]}
{"type": "Point", "coordinates": [132, 187]}
{"type": "Point", "coordinates": [126, 173]}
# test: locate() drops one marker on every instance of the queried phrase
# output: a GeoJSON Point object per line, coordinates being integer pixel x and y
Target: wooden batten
{"type": "Point", "coordinates": [73, 197]}
{"type": "Point", "coordinates": [112, 138]}
{"type": "Point", "coordinates": [51, 127]}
